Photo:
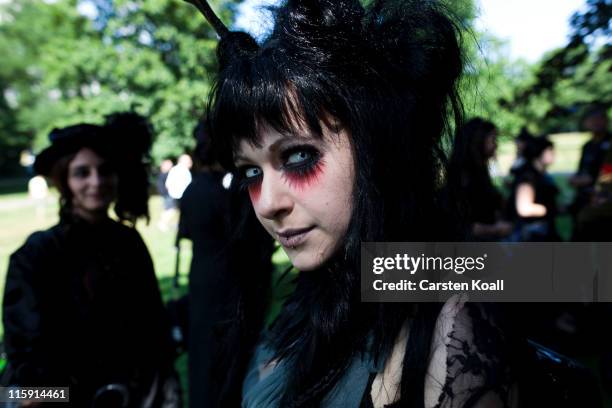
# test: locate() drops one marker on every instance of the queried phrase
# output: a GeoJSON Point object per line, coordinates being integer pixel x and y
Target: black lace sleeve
{"type": "Point", "coordinates": [469, 359]}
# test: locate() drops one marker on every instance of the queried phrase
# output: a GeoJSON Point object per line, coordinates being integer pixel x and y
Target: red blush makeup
{"type": "Point", "coordinates": [255, 192]}
{"type": "Point", "coordinates": [302, 180]}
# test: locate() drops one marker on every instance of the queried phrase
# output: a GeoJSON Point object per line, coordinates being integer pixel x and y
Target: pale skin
{"type": "Point", "coordinates": [301, 190]}
{"type": "Point", "coordinates": [92, 184]}
{"type": "Point", "coordinates": [525, 202]}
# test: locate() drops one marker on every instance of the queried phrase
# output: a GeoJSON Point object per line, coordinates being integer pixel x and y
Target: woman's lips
{"type": "Point", "coordinates": [293, 237]}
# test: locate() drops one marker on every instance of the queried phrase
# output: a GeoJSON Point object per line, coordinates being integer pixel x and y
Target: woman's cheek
{"type": "Point", "coordinates": [303, 182]}
{"type": "Point", "coordinates": [254, 192]}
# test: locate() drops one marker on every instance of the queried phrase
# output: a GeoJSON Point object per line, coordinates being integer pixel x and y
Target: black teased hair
{"type": "Point", "coordinates": [132, 136]}
{"type": "Point", "coordinates": [387, 73]}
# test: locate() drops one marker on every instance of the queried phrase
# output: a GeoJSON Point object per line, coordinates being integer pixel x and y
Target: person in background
{"type": "Point", "coordinates": [594, 151]}
{"type": "Point", "coordinates": [179, 177]}
{"type": "Point", "coordinates": [204, 211]}
{"type": "Point", "coordinates": [533, 201]}
{"type": "Point", "coordinates": [168, 202]}
{"type": "Point", "coordinates": [475, 145]}
{"type": "Point", "coordinates": [521, 141]}
{"type": "Point", "coordinates": [81, 305]}
{"type": "Point", "coordinates": [38, 191]}
{"type": "Point", "coordinates": [594, 221]}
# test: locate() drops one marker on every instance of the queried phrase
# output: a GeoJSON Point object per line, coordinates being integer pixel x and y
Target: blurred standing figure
{"type": "Point", "coordinates": [204, 220]}
{"type": "Point", "coordinates": [168, 202]}
{"type": "Point", "coordinates": [533, 201]}
{"type": "Point", "coordinates": [594, 151]}
{"type": "Point", "coordinates": [594, 221]}
{"type": "Point", "coordinates": [38, 191]}
{"type": "Point", "coordinates": [179, 177]}
{"type": "Point", "coordinates": [81, 305]}
{"type": "Point", "coordinates": [521, 142]}
{"type": "Point", "coordinates": [475, 145]}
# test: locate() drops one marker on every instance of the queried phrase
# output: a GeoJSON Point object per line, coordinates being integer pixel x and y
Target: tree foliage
{"type": "Point", "coordinates": [570, 78]}
{"type": "Point", "coordinates": [66, 61]}
{"type": "Point", "coordinates": [62, 67]}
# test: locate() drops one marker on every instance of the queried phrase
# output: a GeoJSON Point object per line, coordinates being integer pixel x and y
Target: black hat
{"type": "Point", "coordinates": [67, 141]}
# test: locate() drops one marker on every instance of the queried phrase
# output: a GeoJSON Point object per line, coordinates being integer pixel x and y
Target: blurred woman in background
{"type": "Point", "coordinates": [81, 306]}
{"type": "Point", "coordinates": [475, 145]}
{"type": "Point", "coordinates": [533, 201]}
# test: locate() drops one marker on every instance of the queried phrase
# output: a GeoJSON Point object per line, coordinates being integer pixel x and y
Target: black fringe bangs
{"type": "Point", "coordinates": [391, 66]}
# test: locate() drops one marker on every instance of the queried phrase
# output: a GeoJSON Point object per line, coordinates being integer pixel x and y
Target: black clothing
{"type": "Point", "coordinates": [482, 203]}
{"type": "Point", "coordinates": [592, 157]}
{"type": "Point", "coordinates": [82, 309]}
{"type": "Point", "coordinates": [204, 215]}
{"type": "Point", "coordinates": [591, 160]}
{"type": "Point", "coordinates": [546, 192]}
{"type": "Point", "coordinates": [160, 183]}
{"type": "Point", "coordinates": [169, 202]}
{"type": "Point", "coordinates": [484, 200]}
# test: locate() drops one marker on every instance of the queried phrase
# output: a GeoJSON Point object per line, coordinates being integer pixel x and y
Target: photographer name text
{"type": "Point", "coordinates": [426, 285]}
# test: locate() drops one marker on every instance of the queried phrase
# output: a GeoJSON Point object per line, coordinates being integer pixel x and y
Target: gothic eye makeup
{"type": "Point", "coordinates": [249, 178]}
{"type": "Point", "coordinates": [300, 166]}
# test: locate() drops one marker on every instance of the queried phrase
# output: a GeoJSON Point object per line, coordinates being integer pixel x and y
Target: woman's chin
{"type": "Point", "coordinates": [306, 258]}
{"type": "Point", "coordinates": [304, 261]}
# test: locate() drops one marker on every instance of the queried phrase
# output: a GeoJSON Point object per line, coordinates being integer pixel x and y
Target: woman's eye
{"type": "Point", "coordinates": [252, 172]}
{"type": "Point", "coordinates": [80, 172]}
{"type": "Point", "coordinates": [298, 157]}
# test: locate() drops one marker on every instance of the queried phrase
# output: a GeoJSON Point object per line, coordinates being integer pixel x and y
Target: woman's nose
{"type": "Point", "coordinates": [275, 199]}
{"type": "Point", "coordinates": [96, 178]}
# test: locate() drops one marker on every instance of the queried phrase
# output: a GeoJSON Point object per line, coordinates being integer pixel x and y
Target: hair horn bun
{"type": "Point", "coordinates": [234, 44]}
{"type": "Point", "coordinates": [210, 15]}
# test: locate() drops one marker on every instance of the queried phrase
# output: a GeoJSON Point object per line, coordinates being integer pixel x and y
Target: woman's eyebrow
{"type": "Point", "coordinates": [271, 148]}
{"type": "Point", "coordinates": [278, 144]}
{"type": "Point", "coordinates": [240, 158]}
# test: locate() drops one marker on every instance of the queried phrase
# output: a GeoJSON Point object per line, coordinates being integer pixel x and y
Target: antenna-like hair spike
{"type": "Point", "coordinates": [210, 15]}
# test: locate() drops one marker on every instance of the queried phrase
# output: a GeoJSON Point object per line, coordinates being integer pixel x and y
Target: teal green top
{"type": "Point", "coordinates": [266, 391]}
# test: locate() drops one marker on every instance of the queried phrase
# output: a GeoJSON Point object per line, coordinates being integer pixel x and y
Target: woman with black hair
{"type": "Point", "coordinates": [333, 126]}
{"type": "Point", "coordinates": [533, 201]}
{"type": "Point", "coordinates": [475, 144]}
{"type": "Point", "coordinates": [82, 308]}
